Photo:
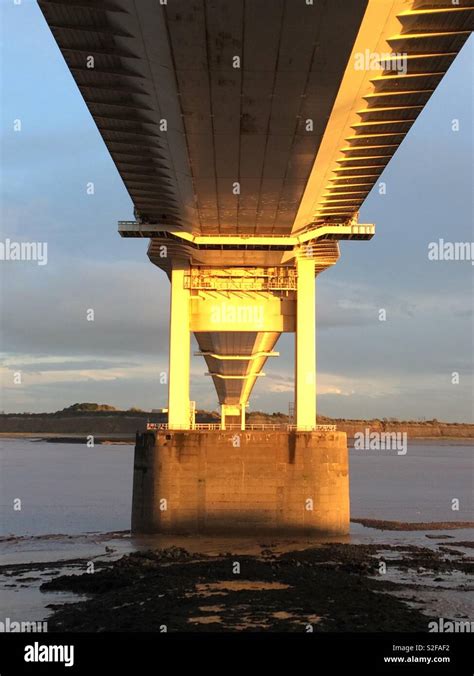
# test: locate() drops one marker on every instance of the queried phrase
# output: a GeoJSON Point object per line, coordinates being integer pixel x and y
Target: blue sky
{"type": "Point", "coordinates": [366, 368]}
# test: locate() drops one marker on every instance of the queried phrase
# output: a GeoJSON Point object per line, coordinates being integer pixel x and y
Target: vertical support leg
{"type": "Point", "coordinates": [305, 346]}
{"type": "Point", "coordinates": [222, 416]}
{"type": "Point", "coordinates": [180, 346]}
{"type": "Point", "coordinates": [242, 417]}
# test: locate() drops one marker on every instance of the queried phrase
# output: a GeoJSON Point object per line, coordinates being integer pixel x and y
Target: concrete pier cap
{"type": "Point", "coordinates": [241, 482]}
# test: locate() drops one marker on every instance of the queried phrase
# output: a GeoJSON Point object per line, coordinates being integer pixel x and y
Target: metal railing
{"type": "Point", "coordinates": [259, 282]}
{"type": "Point", "coordinates": [255, 426]}
{"type": "Point", "coordinates": [262, 427]}
{"type": "Point", "coordinates": [197, 426]}
{"type": "Point", "coordinates": [316, 428]}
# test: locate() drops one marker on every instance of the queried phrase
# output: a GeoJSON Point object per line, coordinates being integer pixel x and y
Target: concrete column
{"type": "Point", "coordinates": [305, 346]}
{"type": "Point", "coordinates": [180, 347]}
{"type": "Point", "coordinates": [242, 416]}
{"type": "Point", "coordinates": [213, 487]}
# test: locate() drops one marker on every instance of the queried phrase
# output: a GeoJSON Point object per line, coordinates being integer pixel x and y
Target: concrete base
{"type": "Point", "coordinates": [241, 482]}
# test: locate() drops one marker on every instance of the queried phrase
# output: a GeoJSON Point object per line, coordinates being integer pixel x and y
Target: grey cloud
{"type": "Point", "coordinates": [44, 312]}
{"type": "Point", "coordinates": [80, 365]}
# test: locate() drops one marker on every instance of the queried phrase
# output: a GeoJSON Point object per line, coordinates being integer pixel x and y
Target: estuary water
{"type": "Point", "coordinates": [71, 489]}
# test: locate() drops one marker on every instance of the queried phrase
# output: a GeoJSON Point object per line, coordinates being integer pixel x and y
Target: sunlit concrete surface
{"type": "Point", "coordinates": [208, 482]}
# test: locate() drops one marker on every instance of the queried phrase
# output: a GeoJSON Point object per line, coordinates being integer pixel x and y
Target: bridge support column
{"type": "Point", "coordinates": [242, 417]}
{"type": "Point", "coordinates": [270, 482]}
{"type": "Point", "coordinates": [234, 411]}
{"type": "Point", "coordinates": [180, 346]}
{"type": "Point", "coordinates": [305, 346]}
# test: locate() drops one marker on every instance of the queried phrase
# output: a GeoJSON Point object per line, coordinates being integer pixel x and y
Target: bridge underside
{"type": "Point", "coordinates": [236, 357]}
{"type": "Point", "coordinates": [248, 135]}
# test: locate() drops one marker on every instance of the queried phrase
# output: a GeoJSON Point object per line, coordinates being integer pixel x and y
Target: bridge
{"type": "Point", "coordinates": [248, 134]}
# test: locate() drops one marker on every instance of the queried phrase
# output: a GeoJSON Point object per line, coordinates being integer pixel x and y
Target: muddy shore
{"type": "Point", "coordinates": [333, 587]}
{"type": "Point", "coordinates": [404, 526]}
{"type": "Point", "coordinates": [327, 587]}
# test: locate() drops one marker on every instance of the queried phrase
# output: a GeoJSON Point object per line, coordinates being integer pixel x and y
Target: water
{"type": "Point", "coordinates": [64, 488]}
{"type": "Point", "coordinates": [418, 486]}
{"type": "Point", "coordinates": [72, 489]}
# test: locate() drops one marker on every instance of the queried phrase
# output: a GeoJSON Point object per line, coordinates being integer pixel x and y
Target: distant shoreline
{"type": "Point", "coordinates": [113, 426]}
{"type": "Point", "coordinates": [55, 438]}
{"type": "Point", "coordinates": [101, 422]}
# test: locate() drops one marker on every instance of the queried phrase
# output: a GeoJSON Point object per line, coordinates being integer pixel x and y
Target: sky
{"type": "Point", "coordinates": [52, 356]}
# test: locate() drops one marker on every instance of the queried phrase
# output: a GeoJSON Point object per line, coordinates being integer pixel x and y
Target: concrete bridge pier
{"type": "Point", "coordinates": [224, 482]}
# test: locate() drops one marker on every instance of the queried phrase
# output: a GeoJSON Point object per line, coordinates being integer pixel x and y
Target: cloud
{"type": "Point", "coordinates": [60, 366]}
{"type": "Point", "coordinates": [130, 302]}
